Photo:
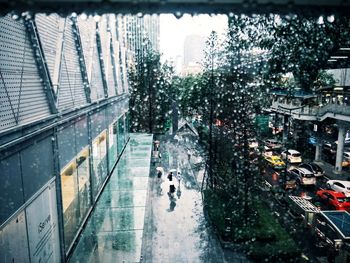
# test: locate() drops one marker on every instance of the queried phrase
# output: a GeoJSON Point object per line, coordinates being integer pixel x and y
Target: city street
{"type": "Point", "coordinates": [176, 228]}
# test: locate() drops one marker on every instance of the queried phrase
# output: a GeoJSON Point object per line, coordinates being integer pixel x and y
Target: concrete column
{"type": "Point", "coordinates": [285, 128]}
{"type": "Point", "coordinates": [340, 149]}
{"type": "Point", "coordinates": [318, 152]}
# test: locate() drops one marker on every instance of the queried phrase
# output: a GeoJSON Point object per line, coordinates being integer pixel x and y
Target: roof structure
{"type": "Point", "coordinates": [305, 7]}
{"type": "Point", "coordinates": [295, 93]}
{"type": "Point", "coordinates": [304, 204]}
{"type": "Point", "coordinates": [340, 220]}
{"type": "Point", "coordinates": [183, 124]}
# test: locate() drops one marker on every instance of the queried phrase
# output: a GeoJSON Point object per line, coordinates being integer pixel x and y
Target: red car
{"type": "Point", "coordinates": [336, 200]}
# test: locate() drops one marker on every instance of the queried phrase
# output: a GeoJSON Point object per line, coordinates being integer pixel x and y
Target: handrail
{"type": "Point", "coordinates": [307, 111]}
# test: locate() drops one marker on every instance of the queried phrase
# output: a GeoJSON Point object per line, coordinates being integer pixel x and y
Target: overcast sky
{"type": "Point", "coordinates": [173, 31]}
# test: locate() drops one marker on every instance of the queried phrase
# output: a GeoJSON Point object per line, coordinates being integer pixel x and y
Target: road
{"type": "Point", "coordinates": [276, 200]}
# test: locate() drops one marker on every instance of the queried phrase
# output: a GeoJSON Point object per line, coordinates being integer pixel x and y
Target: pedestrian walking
{"type": "Point", "coordinates": [189, 154]}
{"type": "Point", "coordinates": [178, 192]}
{"type": "Point", "coordinates": [178, 177]}
{"type": "Point", "coordinates": [159, 175]}
{"type": "Point", "coordinates": [171, 185]}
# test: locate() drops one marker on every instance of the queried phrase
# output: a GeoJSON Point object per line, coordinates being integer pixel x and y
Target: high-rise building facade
{"type": "Point", "coordinates": [63, 126]}
{"type": "Point", "coordinates": [142, 33]}
{"type": "Point", "coordinates": [193, 54]}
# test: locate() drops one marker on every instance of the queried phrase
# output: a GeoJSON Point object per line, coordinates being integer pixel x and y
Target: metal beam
{"type": "Point", "coordinates": [42, 66]}
{"type": "Point", "coordinates": [100, 55]}
{"type": "Point", "coordinates": [82, 64]}
{"type": "Point", "coordinates": [65, 7]}
{"type": "Point", "coordinates": [58, 58]}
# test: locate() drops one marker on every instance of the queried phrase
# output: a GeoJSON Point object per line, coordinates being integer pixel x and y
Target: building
{"type": "Point", "coordinates": [194, 46]}
{"type": "Point", "coordinates": [142, 32]}
{"type": "Point", "coordinates": [317, 110]}
{"type": "Point", "coordinates": [63, 126]}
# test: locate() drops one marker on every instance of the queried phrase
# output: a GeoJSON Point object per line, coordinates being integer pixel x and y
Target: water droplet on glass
{"type": "Point", "coordinates": [320, 20]}
{"type": "Point", "coordinates": [330, 18]}
{"type": "Point", "coordinates": [178, 14]}
{"type": "Point", "coordinates": [14, 16]}
{"type": "Point", "coordinates": [97, 18]}
{"type": "Point", "coordinates": [83, 16]}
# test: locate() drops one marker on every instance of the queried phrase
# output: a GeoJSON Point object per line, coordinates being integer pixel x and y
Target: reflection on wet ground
{"type": "Point", "coordinates": [114, 231]}
{"type": "Point", "coordinates": [178, 231]}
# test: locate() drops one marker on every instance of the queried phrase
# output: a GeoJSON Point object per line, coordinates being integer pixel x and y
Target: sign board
{"type": "Point", "coordinates": [43, 227]}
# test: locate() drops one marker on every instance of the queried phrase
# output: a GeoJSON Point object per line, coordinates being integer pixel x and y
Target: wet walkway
{"type": "Point", "coordinates": [114, 231]}
{"type": "Point", "coordinates": [176, 229]}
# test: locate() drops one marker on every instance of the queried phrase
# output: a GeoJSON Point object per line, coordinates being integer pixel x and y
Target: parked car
{"type": "Point", "coordinates": [288, 181]}
{"type": "Point", "coordinates": [346, 156]}
{"type": "Point", "coordinates": [346, 159]}
{"type": "Point", "coordinates": [275, 161]}
{"type": "Point", "coordinates": [304, 176]}
{"type": "Point", "coordinates": [339, 186]}
{"type": "Point", "coordinates": [333, 199]}
{"type": "Point", "coordinates": [253, 143]}
{"type": "Point", "coordinates": [272, 143]}
{"type": "Point", "coordinates": [268, 152]}
{"type": "Point", "coordinates": [312, 167]}
{"type": "Point", "coordinates": [329, 148]}
{"type": "Point", "coordinates": [292, 155]}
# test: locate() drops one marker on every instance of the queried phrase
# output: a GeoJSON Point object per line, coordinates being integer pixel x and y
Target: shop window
{"type": "Point", "coordinates": [99, 163]}
{"type": "Point", "coordinates": [121, 134]}
{"type": "Point", "coordinates": [76, 200]}
{"type": "Point", "coordinates": [112, 144]}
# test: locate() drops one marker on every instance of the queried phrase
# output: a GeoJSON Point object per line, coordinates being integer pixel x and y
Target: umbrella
{"type": "Point", "coordinates": [172, 170]}
{"type": "Point", "coordinates": [159, 168]}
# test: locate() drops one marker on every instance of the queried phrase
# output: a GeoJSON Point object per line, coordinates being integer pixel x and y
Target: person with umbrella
{"type": "Point", "coordinates": [171, 184]}
{"type": "Point", "coordinates": [160, 172]}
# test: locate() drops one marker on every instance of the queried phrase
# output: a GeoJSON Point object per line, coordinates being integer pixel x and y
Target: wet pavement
{"type": "Point", "coordinates": [136, 220]}
{"type": "Point", "coordinates": [176, 229]}
{"type": "Point", "coordinates": [114, 231]}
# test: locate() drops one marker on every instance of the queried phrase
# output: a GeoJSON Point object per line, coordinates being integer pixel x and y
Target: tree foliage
{"type": "Point", "coordinates": [152, 92]}
{"type": "Point", "coordinates": [303, 45]}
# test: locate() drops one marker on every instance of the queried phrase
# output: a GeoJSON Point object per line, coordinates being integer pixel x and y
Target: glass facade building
{"type": "Point", "coordinates": [63, 128]}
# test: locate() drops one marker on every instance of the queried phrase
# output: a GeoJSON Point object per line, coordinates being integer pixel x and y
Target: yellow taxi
{"type": "Point", "coordinates": [275, 161]}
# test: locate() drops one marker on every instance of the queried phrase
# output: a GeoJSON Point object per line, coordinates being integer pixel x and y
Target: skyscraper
{"type": "Point", "coordinates": [193, 54]}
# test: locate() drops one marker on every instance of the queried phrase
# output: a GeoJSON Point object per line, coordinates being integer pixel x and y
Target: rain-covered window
{"type": "Point", "coordinates": [132, 136]}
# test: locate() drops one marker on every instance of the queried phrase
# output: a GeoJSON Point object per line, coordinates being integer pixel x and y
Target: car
{"type": "Point", "coordinates": [288, 180]}
{"type": "Point", "coordinates": [333, 199]}
{"type": "Point", "coordinates": [312, 167]}
{"type": "Point", "coordinates": [275, 161]}
{"type": "Point", "coordinates": [339, 186]}
{"type": "Point", "coordinates": [273, 144]}
{"type": "Point", "coordinates": [346, 159]}
{"type": "Point", "coordinates": [253, 143]}
{"type": "Point", "coordinates": [268, 152]}
{"type": "Point", "coordinates": [346, 156]}
{"type": "Point", "coordinates": [292, 156]}
{"type": "Point", "coordinates": [304, 176]}
{"type": "Point", "coordinates": [329, 148]}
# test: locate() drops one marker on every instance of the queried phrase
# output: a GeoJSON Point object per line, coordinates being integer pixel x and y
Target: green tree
{"type": "Point", "coordinates": [303, 45]}
{"type": "Point", "coordinates": [151, 92]}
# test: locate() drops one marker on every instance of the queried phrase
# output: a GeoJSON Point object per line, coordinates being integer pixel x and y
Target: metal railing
{"type": "Point", "coordinates": [308, 112]}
